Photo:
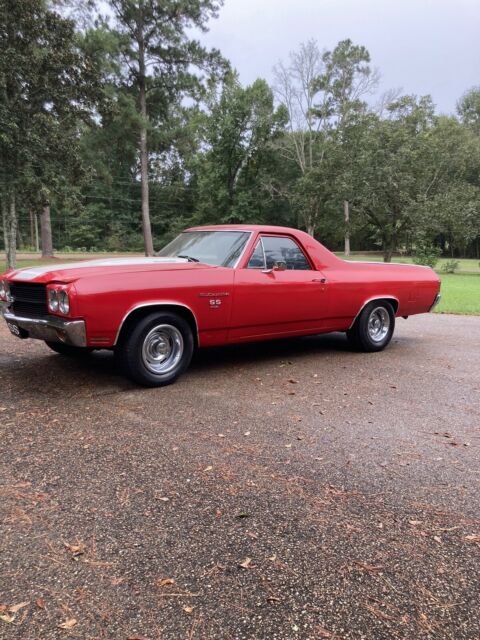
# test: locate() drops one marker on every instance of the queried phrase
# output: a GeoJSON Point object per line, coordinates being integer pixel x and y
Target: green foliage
{"type": "Point", "coordinates": [234, 152]}
{"type": "Point", "coordinates": [450, 266]}
{"type": "Point", "coordinates": [426, 254]}
{"type": "Point", "coordinates": [469, 108]}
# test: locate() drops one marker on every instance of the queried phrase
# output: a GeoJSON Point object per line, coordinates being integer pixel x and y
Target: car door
{"type": "Point", "coordinates": [278, 292]}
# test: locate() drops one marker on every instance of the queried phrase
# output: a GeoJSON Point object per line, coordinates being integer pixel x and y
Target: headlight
{"type": "Point", "coordinates": [3, 290]}
{"type": "Point", "coordinates": [63, 302]}
{"type": "Point", "coordinates": [53, 300]}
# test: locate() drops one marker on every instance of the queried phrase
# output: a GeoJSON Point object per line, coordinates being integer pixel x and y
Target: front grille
{"type": "Point", "coordinates": [29, 300]}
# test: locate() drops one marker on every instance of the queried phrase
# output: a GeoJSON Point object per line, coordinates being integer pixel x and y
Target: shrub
{"type": "Point", "coordinates": [427, 255]}
{"type": "Point", "coordinates": [450, 266]}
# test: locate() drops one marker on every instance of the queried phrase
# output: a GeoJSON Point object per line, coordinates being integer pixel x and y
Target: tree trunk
{"type": "Point", "coordinates": [142, 100]}
{"type": "Point", "coordinates": [310, 227]}
{"type": "Point", "coordinates": [46, 232]}
{"type": "Point", "coordinates": [346, 211]}
{"type": "Point", "coordinates": [32, 228]}
{"type": "Point", "coordinates": [35, 223]}
{"type": "Point", "coordinates": [10, 232]}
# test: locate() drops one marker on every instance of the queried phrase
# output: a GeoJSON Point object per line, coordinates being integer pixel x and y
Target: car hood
{"type": "Point", "coordinates": [70, 272]}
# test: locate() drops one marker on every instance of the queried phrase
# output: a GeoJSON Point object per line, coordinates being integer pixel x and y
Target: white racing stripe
{"type": "Point", "coordinates": [30, 273]}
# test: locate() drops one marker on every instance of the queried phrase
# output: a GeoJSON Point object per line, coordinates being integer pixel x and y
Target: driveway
{"type": "Point", "coordinates": [290, 490]}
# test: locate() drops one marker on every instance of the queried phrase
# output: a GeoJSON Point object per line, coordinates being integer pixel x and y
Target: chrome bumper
{"type": "Point", "coordinates": [52, 328]}
{"type": "Point", "coordinates": [438, 297]}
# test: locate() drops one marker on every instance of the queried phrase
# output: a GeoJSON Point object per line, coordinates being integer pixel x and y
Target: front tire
{"type": "Point", "coordinates": [374, 327]}
{"type": "Point", "coordinates": [157, 350]}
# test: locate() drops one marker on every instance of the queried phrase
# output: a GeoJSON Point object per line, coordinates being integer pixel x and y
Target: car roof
{"type": "Point", "coordinates": [244, 227]}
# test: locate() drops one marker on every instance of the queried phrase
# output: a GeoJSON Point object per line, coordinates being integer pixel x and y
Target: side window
{"type": "Point", "coordinates": [257, 260]}
{"type": "Point", "coordinates": [279, 249]}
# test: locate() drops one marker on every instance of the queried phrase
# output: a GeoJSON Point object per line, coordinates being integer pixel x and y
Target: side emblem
{"type": "Point", "coordinates": [214, 304]}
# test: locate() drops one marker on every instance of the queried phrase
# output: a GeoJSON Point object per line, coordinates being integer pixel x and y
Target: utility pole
{"type": "Point", "coordinates": [346, 211]}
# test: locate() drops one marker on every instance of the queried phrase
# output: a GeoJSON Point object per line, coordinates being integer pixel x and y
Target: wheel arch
{"type": "Point", "coordinates": [385, 298]}
{"type": "Point", "coordinates": [143, 310]}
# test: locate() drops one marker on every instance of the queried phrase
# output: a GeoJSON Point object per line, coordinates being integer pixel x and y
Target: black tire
{"type": "Point", "coordinates": [140, 351]}
{"type": "Point", "coordinates": [68, 349]}
{"type": "Point", "coordinates": [374, 327]}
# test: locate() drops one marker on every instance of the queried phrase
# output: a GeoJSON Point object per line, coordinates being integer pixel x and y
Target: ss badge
{"type": "Point", "coordinates": [214, 304]}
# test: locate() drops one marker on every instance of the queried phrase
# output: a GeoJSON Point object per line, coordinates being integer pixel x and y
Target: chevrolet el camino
{"type": "Point", "coordinates": [213, 285]}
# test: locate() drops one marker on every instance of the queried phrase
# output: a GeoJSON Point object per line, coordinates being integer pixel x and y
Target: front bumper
{"type": "Point", "coordinates": [52, 329]}
{"type": "Point", "coordinates": [438, 297]}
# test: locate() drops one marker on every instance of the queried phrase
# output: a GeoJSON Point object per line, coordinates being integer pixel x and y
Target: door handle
{"type": "Point", "coordinates": [322, 280]}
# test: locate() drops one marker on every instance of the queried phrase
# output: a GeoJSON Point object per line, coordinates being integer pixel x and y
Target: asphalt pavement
{"type": "Point", "coordinates": [288, 490]}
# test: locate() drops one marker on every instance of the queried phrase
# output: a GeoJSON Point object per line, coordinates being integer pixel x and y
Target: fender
{"type": "Point", "coordinates": [384, 297]}
{"type": "Point", "coordinates": [156, 303]}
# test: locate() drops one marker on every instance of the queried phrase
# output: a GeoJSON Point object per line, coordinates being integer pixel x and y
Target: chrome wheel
{"type": "Point", "coordinates": [162, 349]}
{"type": "Point", "coordinates": [378, 324]}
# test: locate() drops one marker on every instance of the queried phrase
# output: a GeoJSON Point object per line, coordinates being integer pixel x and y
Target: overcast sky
{"type": "Point", "coordinates": [422, 46]}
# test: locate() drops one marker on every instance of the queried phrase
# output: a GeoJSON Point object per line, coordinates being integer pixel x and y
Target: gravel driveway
{"type": "Point", "coordinates": [290, 490]}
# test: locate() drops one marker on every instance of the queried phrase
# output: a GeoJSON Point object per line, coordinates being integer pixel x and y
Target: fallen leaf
{"type": "Point", "coordinates": [68, 624]}
{"type": "Point", "coordinates": [247, 433]}
{"type": "Point", "coordinates": [288, 446]}
{"type": "Point", "coordinates": [188, 609]}
{"type": "Point", "coordinates": [414, 522]}
{"type": "Point", "coordinates": [292, 381]}
{"type": "Point", "coordinates": [75, 549]}
{"type": "Point", "coordinates": [369, 568]}
{"type": "Point", "coordinates": [437, 539]}
{"type": "Point", "coordinates": [16, 607]}
{"type": "Point", "coordinates": [164, 499]}
{"type": "Point", "coordinates": [163, 582]}
{"type": "Point", "coordinates": [208, 468]}
{"type": "Point", "coordinates": [7, 617]}
{"type": "Point", "coordinates": [323, 633]}
{"type": "Point", "coordinates": [473, 538]}
{"type": "Point", "coordinates": [245, 564]}
{"type": "Point", "coordinates": [40, 602]}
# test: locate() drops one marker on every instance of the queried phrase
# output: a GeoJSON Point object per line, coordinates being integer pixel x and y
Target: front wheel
{"type": "Point", "coordinates": [157, 350]}
{"type": "Point", "coordinates": [373, 329]}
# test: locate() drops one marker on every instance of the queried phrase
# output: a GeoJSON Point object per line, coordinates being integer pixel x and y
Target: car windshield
{"type": "Point", "coordinates": [218, 248]}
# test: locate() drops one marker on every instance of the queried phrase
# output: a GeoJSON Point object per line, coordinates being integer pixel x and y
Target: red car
{"type": "Point", "coordinates": [210, 286]}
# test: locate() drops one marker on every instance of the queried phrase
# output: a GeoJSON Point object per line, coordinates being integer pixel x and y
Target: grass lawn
{"type": "Point", "coordinates": [465, 265]}
{"type": "Point", "coordinates": [460, 294]}
{"type": "Point", "coordinates": [460, 291]}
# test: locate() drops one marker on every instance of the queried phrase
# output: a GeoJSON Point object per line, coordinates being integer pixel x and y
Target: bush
{"type": "Point", "coordinates": [427, 255]}
{"type": "Point", "coordinates": [450, 266]}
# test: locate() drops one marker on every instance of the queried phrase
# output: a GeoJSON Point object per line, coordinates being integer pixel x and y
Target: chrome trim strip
{"type": "Point", "coordinates": [384, 297]}
{"type": "Point", "coordinates": [54, 329]}
{"type": "Point", "coordinates": [157, 303]}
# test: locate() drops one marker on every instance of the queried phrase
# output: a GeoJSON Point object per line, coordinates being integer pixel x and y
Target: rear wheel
{"type": "Point", "coordinates": [373, 329]}
{"type": "Point", "coordinates": [157, 350]}
{"type": "Point", "coordinates": [68, 349]}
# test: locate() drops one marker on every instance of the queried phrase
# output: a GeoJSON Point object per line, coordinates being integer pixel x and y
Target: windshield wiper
{"type": "Point", "coordinates": [189, 258]}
